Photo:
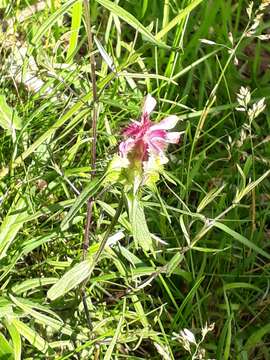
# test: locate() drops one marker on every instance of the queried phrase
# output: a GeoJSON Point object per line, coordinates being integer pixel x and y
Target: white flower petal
{"type": "Point", "coordinates": [149, 104]}
{"type": "Point", "coordinates": [163, 159]}
{"type": "Point", "coordinates": [166, 124]}
{"type": "Point", "coordinates": [173, 137]}
{"type": "Point", "coordinates": [188, 335]}
{"type": "Point", "coordinates": [126, 146]}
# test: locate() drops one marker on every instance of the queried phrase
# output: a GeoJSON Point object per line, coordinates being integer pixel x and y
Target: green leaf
{"type": "Point", "coordinates": [76, 19]}
{"type": "Point", "coordinates": [224, 338]}
{"type": "Point", "coordinates": [6, 351]}
{"type": "Point", "coordinates": [116, 335]}
{"type": "Point", "coordinates": [9, 120]}
{"type": "Point", "coordinates": [256, 337]}
{"type": "Point", "coordinates": [70, 280]}
{"type": "Point", "coordinates": [174, 263]}
{"type": "Point", "coordinates": [31, 335]}
{"type": "Point", "coordinates": [27, 247]}
{"type": "Point", "coordinates": [45, 320]}
{"type": "Point", "coordinates": [90, 190]}
{"type": "Point", "coordinates": [16, 340]}
{"type": "Point", "coordinates": [5, 307]}
{"type": "Point", "coordinates": [140, 311]}
{"type": "Point", "coordinates": [243, 240]}
{"type": "Point", "coordinates": [52, 20]}
{"type": "Point", "coordinates": [245, 190]}
{"type": "Point", "coordinates": [139, 228]}
{"type": "Point", "coordinates": [31, 284]}
{"type": "Point", "coordinates": [209, 197]}
{"type": "Point", "coordinates": [132, 21]}
{"type": "Point", "coordinates": [240, 285]}
{"type": "Point", "coordinates": [111, 211]}
{"type": "Point", "coordinates": [182, 14]}
{"type": "Point", "coordinates": [12, 223]}
{"type": "Point", "coordinates": [184, 230]}
{"type": "Point", "coordinates": [188, 300]}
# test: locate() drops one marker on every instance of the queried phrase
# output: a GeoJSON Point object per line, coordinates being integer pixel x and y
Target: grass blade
{"type": "Point", "coordinates": [183, 13]}
{"type": "Point", "coordinates": [243, 240]}
{"type": "Point", "coordinates": [132, 21]}
{"type": "Point", "coordinates": [16, 340]}
{"type": "Point", "coordinates": [12, 223]}
{"type": "Point", "coordinates": [76, 19]}
{"type": "Point", "coordinates": [90, 190]}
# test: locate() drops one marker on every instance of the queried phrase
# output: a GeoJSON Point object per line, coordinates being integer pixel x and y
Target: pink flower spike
{"type": "Point", "coordinates": [166, 124]}
{"type": "Point", "coordinates": [149, 105]}
{"type": "Point", "coordinates": [145, 139]}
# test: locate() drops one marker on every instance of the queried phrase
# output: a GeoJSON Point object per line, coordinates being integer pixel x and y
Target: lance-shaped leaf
{"type": "Point", "coordinates": [70, 280]}
{"type": "Point", "coordinates": [139, 228]}
{"type": "Point", "coordinates": [9, 119]}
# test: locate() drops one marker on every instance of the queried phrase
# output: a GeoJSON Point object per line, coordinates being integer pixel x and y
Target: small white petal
{"type": "Point", "coordinates": [187, 334]}
{"type": "Point", "coordinates": [163, 159]}
{"type": "Point", "coordinates": [173, 137]}
{"type": "Point", "coordinates": [166, 124]}
{"type": "Point", "coordinates": [149, 104]}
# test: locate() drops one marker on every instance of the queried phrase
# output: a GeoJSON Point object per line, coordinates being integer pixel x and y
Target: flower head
{"type": "Point", "coordinates": [145, 139]}
{"type": "Point", "coordinates": [142, 152]}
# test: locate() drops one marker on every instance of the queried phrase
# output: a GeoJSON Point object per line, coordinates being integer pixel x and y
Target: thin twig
{"type": "Point", "coordinates": [94, 123]}
{"type": "Point", "coordinates": [94, 85]}
{"type": "Point", "coordinates": [90, 201]}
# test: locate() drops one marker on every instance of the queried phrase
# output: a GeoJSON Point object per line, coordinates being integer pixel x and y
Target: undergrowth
{"type": "Point", "coordinates": [186, 274]}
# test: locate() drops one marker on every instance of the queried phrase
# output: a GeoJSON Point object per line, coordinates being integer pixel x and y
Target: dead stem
{"type": "Point", "coordinates": [93, 148]}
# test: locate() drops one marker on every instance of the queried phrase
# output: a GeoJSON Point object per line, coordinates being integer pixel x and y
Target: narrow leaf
{"type": "Point", "coordinates": [174, 263]}
{"type": "Point", "coordinates": [31, 335]}
{"type": "Point", "coordinates": [90, 190]}
{"type": "Point", "coordinates": [243, 240]}
{"type": "Point", "coordinates": [6, 351]}
{"type": "Point", "coordinates": [257, 336]}
{"type": "Point", "coordinates": [132, 21]}
{"type": "Point", "coordinates": [9, 120]}
{"type": "Point", "coordinates": [140, 231]}
{"type": "Point", "coordinates": [182, 14]}
{"type": "Point", "coordinates": [209, 197]}
{"type": "Point", "coordinates": [31, 284]}
{"type": "Point", "coordinates": [16, 340]}
{"type": "Point", "coordinates": [76, 19]}
{"type": "Point", "coordinates": [109, 351]}
{"type": "Point", "coordinates": [70, 280]}
{"type": "Point", "coordinates": [12, 223]}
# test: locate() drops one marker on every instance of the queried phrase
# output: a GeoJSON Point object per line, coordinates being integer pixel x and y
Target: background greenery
{"type": "Point", "coordinates": [214, 267]}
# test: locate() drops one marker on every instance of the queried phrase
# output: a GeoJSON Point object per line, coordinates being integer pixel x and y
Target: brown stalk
{"type": "Point", "coordinates": [94, 123]}
{"type": "Point", "coordinates": [90, 201]}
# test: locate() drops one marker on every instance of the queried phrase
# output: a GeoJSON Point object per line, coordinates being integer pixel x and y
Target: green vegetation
{"type": "Point", "coordinates": [182, 271]}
